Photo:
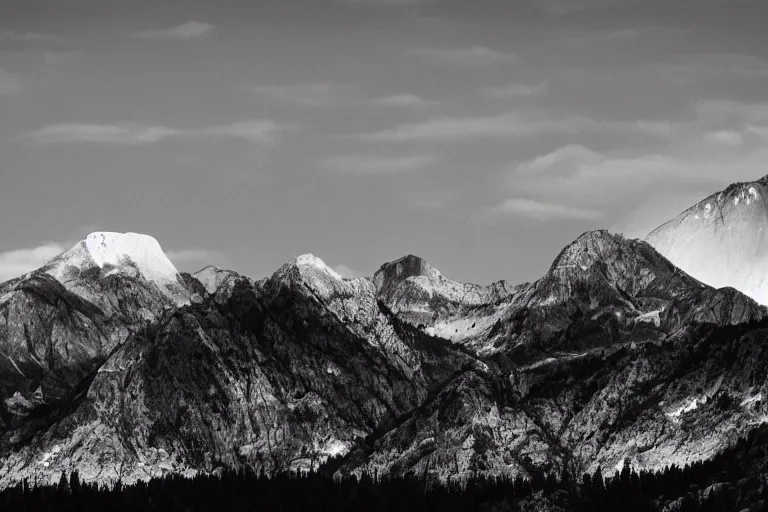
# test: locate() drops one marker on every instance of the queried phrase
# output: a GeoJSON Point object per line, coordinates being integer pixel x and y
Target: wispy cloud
{"type": "Point", "coordinates": [345, 271]}
{"type": "Point", "coordinates": [576, 173]}
{"type": "Point", "coordinates": [723, 111]}
{"type": "Point", "coordinates": [188, 30]}
{"type": "Point", "coordinates": [726, 138]}
{"type": "Point", "coordinates": [476, 55]}
{"type": "Point", "coordinates": [129, 134]}
{"type": "Point", "coordinates": [510, 125]}
{"type": "Point", "coordinates": [760, 131]}
{"type": "Point", "coordinates": [185, 256]}
{"type": "Point", "coordinates": [262, 131]}
{"type": "Point", "coordinates": [55, 58]}
{"type": "Point", "coordinates": [370, 165]}
{"type": "Point", "coordinates": [377, 3]}
{"type": "Point", "coordinates": [33, 37]}
{"type": "Point", "coordinates": [514, 90]}
{"type": "Point", "coordinates": [567, 156]}
{"type": "Point", "coordinates": [21, 261]}
{"type": "Point", "coordinates": [542, 211]}
{"type": "Point", "coordinates": [18, 262]}
{"type": "Point", "coordinates": [308, 95]}
{"type": "Point", "coordinates": [259, 130]}
{"type": "Point", "coordinates": [10, 83]}
{"type": "Point", "coordinates": [430, 199]}
{"type": "Point", "coordinates": [403, 100]}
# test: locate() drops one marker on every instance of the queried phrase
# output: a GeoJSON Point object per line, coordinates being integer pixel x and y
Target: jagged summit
{"type": "Point", "coordinates": [213, 277]}
{"type": "Point", "coordinates": [587, 249]}
{"type": "Point", "coordinates": [395, 272]}
{"type": "Point", "coordinates": [101, 255]}
{"type": "Point", "coordinates": [614, 264]}
{"type": "Point", "coordinates": [310, 262]}
{"type": "Point", "coordinates": [126, 253]}
{"type": "Point", "coordinates": [723, 239]}
{"type": "Point", "coordinates": [309, 271]}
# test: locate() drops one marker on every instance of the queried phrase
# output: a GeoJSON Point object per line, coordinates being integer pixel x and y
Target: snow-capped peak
{"type": "Point", "coordinates": [130, 254]}
{"type": "Point", "coordinates": [312, 261]}
{"type": "Point", "coordinates": [721, 240]}
{"type": "Point", "coordinates": [143, 251]}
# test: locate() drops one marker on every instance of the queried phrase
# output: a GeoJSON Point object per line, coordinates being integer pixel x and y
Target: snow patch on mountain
{"type": "Point", "coordinates": [123, 253]}
{"type": "Point", "coordinates": [692, 405]}
{"type": "Point", "coordinates": [722, 240]}
{"type": "Point", "coordinates": [311, 261]}
{"type": "Point", "coordinates": [116, 254]}
{"type": "Point", "coordinates": [142, 250]}
{"type": "Point", "coordinates": [652, 317]}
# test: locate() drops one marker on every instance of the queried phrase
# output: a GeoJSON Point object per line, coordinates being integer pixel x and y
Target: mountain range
{"type": "Point", "coordinates": [643, 352]}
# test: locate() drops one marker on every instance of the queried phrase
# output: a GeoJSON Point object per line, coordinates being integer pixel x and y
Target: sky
{"type": "Point", "coordinates": [483, 136]}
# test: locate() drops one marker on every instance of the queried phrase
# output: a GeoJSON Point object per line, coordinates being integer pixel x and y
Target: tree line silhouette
{"type": "Point", "coordinates": [732, 481]}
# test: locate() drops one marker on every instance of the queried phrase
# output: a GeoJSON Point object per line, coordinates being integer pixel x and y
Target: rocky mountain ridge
{"type": "Point", "coordinates": [723, 239]}
{"type": "Point", "coordinates": [614, 354]}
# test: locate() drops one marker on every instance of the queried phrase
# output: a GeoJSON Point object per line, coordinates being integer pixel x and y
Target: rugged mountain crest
{"type": "Point", "coordinates": [723, 239]}
{"type": "Point", "coordinates": [105, 260]}
{"type": "Point", "coordinates": [420, 295]}
{"type": "Point", "coordinates": [60, 322]}
{"type": "Point", "coordinates": [613, 354]}
{"type": "Point", "coordinates": [219, 282]}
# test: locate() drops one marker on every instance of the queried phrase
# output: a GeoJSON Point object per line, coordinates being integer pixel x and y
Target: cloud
{"type": "Point", "coordinates": [16, 263]}
{"type": "Point", "coordinates": [308, 95]}
{"type": "Point", "coordinates": [188, 30]}
{"type": "Point", "coordinates": [726, 138]}
{"type": "Point", "coordinates": [542, 211]}
{"type": "Point", "coordinates": [476, 55]}
{"type": "Point", "coordinates": [732, 123]}
{"type": "Point", "coordinates": [10, 83]}
{"type": "Point", "coordinates": [510, 125]}
{"type": "Point", "coordinates": [21, 261]}
{"type": "Point", "coordinates": [378, 3]}
{"type": "Point", "coordinates": [263, 131]}
{"type": "Point", "coordinates": [55, 58]}
{"type": "Point", "coordinates": [576, 174]}
{"type": "Point", "coordinates": [568, 156]}
{"type": "Point", "coordinates": [183, 256]}
{"type": "Point", "coordinates": [515, 90]}
{"type": "Point", "coordinates": [129, 134]}
{"type": "Point", "coordinates": [760, 131]}
{"type": "Point", "coordinates": [345, 271]}
{"type": "Point", "coordinates": [719, 112]}
{"type": "Point", "coordinates": [12, 35]}
{"type": "Point", "coordinates": [429, 199]}
{"type": "Point", "coordinates": [259, 130]}
{"type": "Point", "coordinates": [403, 100]}
{"type": "Point", "coordinates": [370, 165]}
{"type": "Point", "coordinates": [318, 95]}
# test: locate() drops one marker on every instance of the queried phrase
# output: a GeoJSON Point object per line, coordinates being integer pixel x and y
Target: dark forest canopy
{"type": "Point", "coordinates": [732, 481]}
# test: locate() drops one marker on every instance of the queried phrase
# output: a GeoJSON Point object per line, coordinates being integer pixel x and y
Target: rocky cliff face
{"type": "Point", "coordinates": [614, 354]}
{"type": "Point", "coordinates": [722, 240]}
{"type": "Point", "coordinates": [60, 322]}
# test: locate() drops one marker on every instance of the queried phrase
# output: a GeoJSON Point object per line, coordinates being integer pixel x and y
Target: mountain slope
{"type": "Point", "coordinates": [61, 321]}
{"type": "Point", "coordinates": [723, 239]}
{"type": "Point", "coordinates": [611, 355]}
{"type": "Point", "coordinates": [614, 354]}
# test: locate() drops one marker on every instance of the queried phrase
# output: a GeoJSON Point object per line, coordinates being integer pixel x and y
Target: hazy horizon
{"type": "Point", "coordinates": [482, 136]}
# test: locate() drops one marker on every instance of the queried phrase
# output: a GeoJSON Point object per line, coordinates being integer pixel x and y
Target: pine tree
{"type": "Point", "coordinates": [63, 486]}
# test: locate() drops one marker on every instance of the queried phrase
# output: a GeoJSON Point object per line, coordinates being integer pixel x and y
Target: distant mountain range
{"type": "Point", "coordinates": [651, 352]}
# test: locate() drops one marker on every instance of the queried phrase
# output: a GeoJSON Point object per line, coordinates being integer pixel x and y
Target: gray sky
{"type": "Point", "coordinates": [482, 135]}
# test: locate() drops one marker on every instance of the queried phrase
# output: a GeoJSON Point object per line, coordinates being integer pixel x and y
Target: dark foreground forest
{"type": "Point", "coordinates": [733, 481]}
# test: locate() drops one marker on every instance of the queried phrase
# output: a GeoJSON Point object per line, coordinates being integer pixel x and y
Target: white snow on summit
{"type": "Point", "coordinates": [128, 254]}
{"type": "Point", "coordinates": [106, 248]}
{"type": "Point", "coordinates": [312, 261]}
{"type": "Point", "coordinates": [723, 240]}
